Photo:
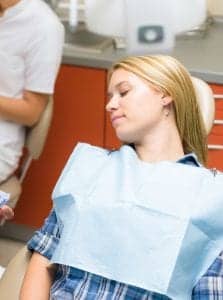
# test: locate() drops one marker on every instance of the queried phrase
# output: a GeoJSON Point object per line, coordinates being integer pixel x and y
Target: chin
{"type": "Point", "coordinates": [125, 138]}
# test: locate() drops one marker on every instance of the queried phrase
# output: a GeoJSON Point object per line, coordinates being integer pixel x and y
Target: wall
{"type": "Point", "coordinates": [215, 7]}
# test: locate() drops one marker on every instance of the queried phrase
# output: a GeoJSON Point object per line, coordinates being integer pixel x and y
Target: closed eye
{"type": "Point", "coordinates": [123, 94]}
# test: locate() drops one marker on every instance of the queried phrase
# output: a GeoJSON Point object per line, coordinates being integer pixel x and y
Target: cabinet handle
{"type": "Point", "coordinates": [218, 122]}
{"type": "Point", "coordinates": [218, 96]}
{"type": "Point", "coordinates": [215, 147]}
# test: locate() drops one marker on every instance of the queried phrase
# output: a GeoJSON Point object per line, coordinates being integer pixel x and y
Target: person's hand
{"type": "Point", "coordinates": [6, 213]}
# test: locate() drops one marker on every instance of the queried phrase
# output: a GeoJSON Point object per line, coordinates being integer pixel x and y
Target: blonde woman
{"type": "Point", "coordinates": [143, 221]}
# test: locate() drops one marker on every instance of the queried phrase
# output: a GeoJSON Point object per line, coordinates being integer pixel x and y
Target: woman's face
{"type": "Point", "coordinates": [136, 109]}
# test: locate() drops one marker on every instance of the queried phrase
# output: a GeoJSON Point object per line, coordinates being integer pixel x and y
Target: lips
{"type": "Point", "coordinates": [115, 119]}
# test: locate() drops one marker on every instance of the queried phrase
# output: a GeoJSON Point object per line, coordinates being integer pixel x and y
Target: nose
{"type": "Point", "coordinates": [112, 104]}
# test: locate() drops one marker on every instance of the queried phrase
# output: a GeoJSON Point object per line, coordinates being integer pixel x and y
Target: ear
{"type": "Point", "coordinates": [166, 100]}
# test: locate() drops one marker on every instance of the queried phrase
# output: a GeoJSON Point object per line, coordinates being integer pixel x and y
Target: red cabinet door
{"type": "Point", "coordinates": [215, 138]}
{"type": "Point", "coordinates": [79, 115]}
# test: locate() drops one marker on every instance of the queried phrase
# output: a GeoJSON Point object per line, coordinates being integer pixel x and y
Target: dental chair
{"type": "Point", "coordinates": [34, 143]}
{"type": "Point", "coordinates": [12, 278]}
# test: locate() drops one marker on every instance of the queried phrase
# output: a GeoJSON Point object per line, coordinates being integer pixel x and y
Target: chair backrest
{"type": "Point", "coordinates": [36, 135]}
{"type": "Point", "coordinates": [11, 281]}
{"type": "Point", "coordinates": [36, 138]}
{"type": "Point", "coordinates": [206, 101]}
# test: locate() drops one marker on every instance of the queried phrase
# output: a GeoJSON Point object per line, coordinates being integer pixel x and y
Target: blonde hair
{"type": "Point", "coordinates": [168, 75]}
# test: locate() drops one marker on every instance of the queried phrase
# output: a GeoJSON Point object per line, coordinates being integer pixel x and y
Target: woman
{"type": "Point", "coordinates": [128, 224]}
{"type": "Point", "coordinates": [31, 43]}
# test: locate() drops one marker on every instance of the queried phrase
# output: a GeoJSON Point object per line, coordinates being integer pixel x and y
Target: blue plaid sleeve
{"type": "Point", "coordinates": [45, 240]}
{"type": "Point", "coordinates": [210, 286]}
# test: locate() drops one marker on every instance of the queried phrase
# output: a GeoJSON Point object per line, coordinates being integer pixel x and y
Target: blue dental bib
{"type": "Point", "coordinates": [121, 218]}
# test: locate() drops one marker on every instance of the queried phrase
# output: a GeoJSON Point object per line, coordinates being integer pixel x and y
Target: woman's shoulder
{"type": "Point", "coordinates": [93, 149]}
{"type": "Point", "coordinates": [82, 168]}
{"type": "Point", "coordinates": [85, 148]}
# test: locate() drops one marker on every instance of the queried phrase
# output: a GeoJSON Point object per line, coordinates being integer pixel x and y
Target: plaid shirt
{"type": "Point", "coordinates": [71, 283]}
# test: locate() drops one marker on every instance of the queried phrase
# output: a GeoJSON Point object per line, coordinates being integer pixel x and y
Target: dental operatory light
{"type": "Point", "coordinates": [146, 26]}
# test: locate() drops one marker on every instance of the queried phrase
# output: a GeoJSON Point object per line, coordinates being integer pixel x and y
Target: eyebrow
{"type": "Point", "coordinates": [122, 82]}
{"type": "Point", "coordinates": [118, 85]}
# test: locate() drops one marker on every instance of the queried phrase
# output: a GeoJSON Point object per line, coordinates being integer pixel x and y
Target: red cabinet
{"type": "Point", "coordinates": [215, 139]}
{"type": "Point", "coordinates": [79, 115]}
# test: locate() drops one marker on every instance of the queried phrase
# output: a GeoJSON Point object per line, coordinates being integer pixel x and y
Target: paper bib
{"type": "Point", "coordinates": [122, 218]}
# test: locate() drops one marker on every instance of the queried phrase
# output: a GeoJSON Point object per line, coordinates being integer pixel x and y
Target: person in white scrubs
{"type": "Point", "coordinates": [6, 213]}
{"type": "Point", "coordinates": [31, 43]}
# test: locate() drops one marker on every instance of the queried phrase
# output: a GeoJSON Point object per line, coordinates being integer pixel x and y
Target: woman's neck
{"type": "Point", "coordinates": [163, 145]}
{"type": "Point", "coordinates": [4, 4]}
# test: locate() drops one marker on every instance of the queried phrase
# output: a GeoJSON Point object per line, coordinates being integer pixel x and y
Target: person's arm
{"type": "Point", "coordinates": [24, 111]}
{"type": "Point", "coordinates": [38, 279]}
{"type": "Point", "coordinates": [40, 273]}
{"type": "Point", "coordinates": [6, 213]}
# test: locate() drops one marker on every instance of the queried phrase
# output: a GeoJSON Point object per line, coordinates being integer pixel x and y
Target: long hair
{"type": "Point", "coordinates": [169, 76]}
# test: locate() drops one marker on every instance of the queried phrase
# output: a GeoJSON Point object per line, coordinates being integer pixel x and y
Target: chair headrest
{"type": "Point", "coordinates": [206, 102]}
